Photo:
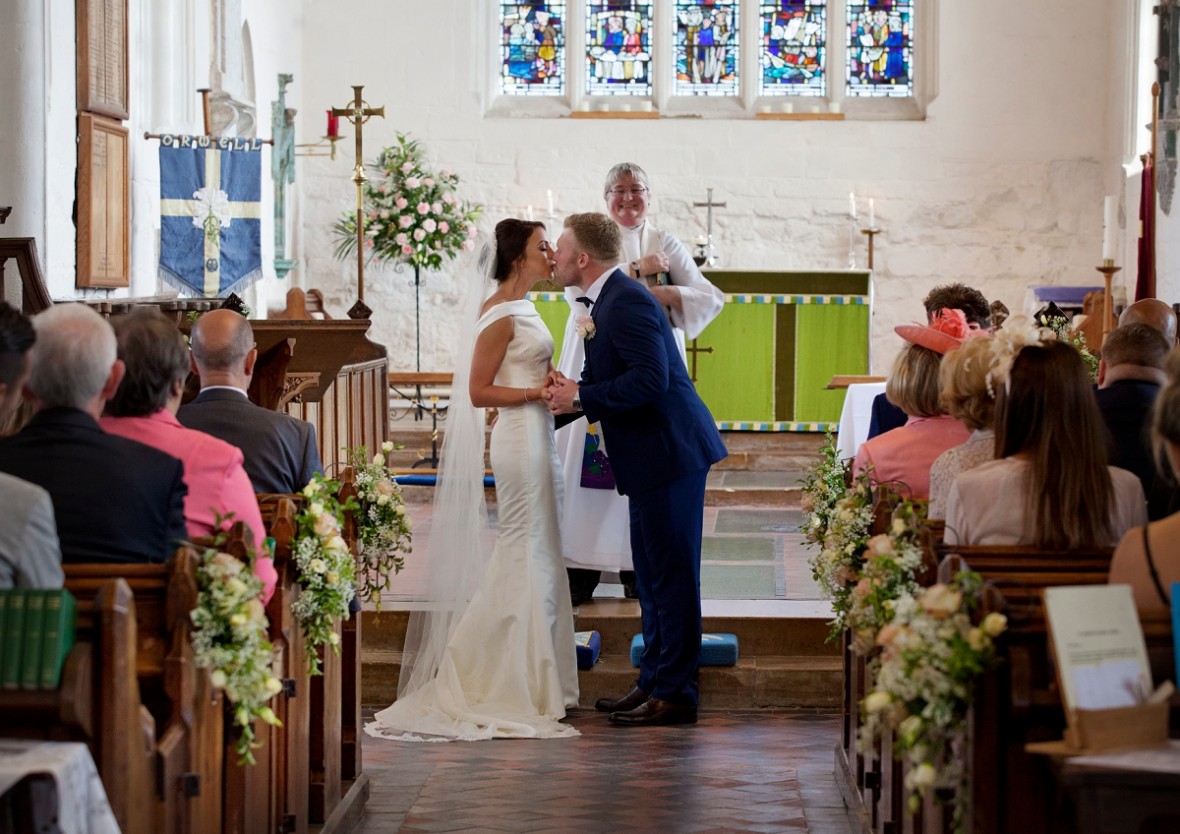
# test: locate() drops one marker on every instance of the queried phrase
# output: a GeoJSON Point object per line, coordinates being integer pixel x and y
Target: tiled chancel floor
{"type": "Point", "coordinates": [732, 772]}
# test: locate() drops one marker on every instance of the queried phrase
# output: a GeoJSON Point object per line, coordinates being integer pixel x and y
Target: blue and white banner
{"type": "Point", "coordinates": [210, 210]}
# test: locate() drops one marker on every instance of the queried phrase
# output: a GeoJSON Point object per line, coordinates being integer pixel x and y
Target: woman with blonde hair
{"type": "Point", "coordinates": [967, 395]}
{"type": "Point", "coordinates": [1050, 486]}
{"type": "Point", "coordinates": [1147, 558]}
{"type": "Point", "coordinates": [903, 456]}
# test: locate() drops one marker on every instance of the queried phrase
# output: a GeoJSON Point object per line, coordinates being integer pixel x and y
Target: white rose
{"type": "Point", "coordinates": [337, 544]}
{"type": "Point", "coordinates": [334, 639]}
{"type": "Point", "coordinates": [310, 490]}
{"type": "Point", "coordinates": [273, 685]}
{"type": "Point", "coordinates": [236, 586]}
{"type": "Point", "coordinates": [332, 577]}
{"type": "Point", "coordinates": [994, 624]}
{"type": "Point", "coordinates": [325, 525]}
{"type": "Point", "coordinates": [899, 526]}
{"type": "Point", "coordinates": [880, 545]}
{"type": "Point", "coordinates": [317, 565]}
{"type": "Point", "coordinates": [379, 459]}
{"type": "Point", "coordinates": [382, 500]}
{"type": "Point", "coordinates": [923, 776]}
{"type": "Point", "coordinates": [940, 602]}
{"type": "Point", "coordinates": [316, 509]}
{"type": "Point", "coordinates": [218, 679]}
{"type": "Point", "coordinates": [387, 446]}
{"type": "Point", "coordinates": [876, 701]}
{"type": "Point", "coordinates": [910, 728]}
{"type": "Point", "coordinates": [238, 620]}
{"type": "Point", "coordinates": [976, 639]}
{"type": "Point", "coordinates": [384, 488]}
{"type": "Point", "coordinates": [401, 510]}
{"type": "Point", "coordinates": [257, 612]}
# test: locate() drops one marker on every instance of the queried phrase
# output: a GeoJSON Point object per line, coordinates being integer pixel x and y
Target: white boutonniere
{"type": "Point", "coordinates": [585, 327]}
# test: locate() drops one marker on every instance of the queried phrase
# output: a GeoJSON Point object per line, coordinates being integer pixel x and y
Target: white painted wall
{"type": "Point", "coordinates": [1000, 187]}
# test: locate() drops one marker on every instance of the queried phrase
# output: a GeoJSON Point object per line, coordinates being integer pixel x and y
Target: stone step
{"type": "Point", "coordinates": [784, 661]}
{"type": "Point", "coordinates": [761, 682]}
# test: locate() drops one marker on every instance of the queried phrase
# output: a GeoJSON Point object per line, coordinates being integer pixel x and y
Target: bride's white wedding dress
{"type": "Point", "coordinates": [509, 668]}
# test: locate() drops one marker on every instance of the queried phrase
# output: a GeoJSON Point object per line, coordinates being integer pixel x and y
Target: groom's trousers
{"type": "Point", "coordinates": [666, 527]}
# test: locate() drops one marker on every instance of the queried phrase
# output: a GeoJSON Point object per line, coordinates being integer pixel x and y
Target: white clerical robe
{"type": "Point", "coordinates": [596, 526]}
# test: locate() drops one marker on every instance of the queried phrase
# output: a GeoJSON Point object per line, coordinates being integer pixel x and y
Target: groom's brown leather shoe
{"type": "Point", "coordinates": [628, 702]}
{"type": "Point", "coordinates": [654, 712]}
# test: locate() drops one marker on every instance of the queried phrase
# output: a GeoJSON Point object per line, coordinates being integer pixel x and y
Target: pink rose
{"type": "Point", "coordinates": [437, 207]}
{"type": "Point", "coordinates": [407, 167]}
{"type": "Point", "coordinates": [413, 182]}
{"type": "Point", "coordinates": [407, 249]}
{"type": "Point", "coordinates": [419, 234]}
{"type": "Point", "coordinates": [401, 239]}
{"type": "Point", "coordinates": [471, 232]}
{"type": "Point", "coordinates": [424, 207]}
{"type": "Point", "coordinates": [449, 199]}
{"type": "Point", "coordinates": [428, 182]}
{"type": "Point", "coordinates": [468, 245]}
{"type": "Point", "coordinates": [405, 221]}
{"type": "Point", "coordinates": [401, 202]}
{"type": "Point", "coordinates": [444, 227]}
{"type": "Point", "coordinates": [429, 225]}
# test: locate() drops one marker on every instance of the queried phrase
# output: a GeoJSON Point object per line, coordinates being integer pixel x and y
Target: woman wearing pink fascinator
{"type": "Point", "coordinates": [902, 457]}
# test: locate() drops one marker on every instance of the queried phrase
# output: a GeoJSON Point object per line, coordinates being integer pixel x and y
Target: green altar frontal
{"type": "Point", "coordinates": [764, 363]}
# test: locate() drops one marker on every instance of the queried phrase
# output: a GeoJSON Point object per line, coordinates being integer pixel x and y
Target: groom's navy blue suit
{"type": "Point", "coordinates": [661, 440]}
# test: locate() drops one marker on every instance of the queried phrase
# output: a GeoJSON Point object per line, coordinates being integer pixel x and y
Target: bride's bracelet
{"type": "Point", "coordinates": [526, 396]}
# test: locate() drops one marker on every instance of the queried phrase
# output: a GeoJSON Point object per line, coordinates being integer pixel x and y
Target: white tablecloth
{"type": "Point", "coordinates": [84, 807]}
{"type": "Point", "coordinates": [854, 419]}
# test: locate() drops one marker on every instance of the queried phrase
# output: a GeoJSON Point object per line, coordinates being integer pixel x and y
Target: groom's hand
{"type": "Point", "coordinates": [560, 396]}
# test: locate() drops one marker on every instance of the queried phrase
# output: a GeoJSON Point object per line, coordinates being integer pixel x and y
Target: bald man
{"type": "Point", "coordinates": [280, 451]}
{"type": "Point", "coordinates": [1153, 313]}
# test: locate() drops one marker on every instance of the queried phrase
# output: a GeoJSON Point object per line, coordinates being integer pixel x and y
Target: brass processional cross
{"type": "Point", "coordinates": [357, 113]}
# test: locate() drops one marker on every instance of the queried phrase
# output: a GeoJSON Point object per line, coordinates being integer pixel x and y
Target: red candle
{"type": "Point", "coordinates": [333, 125]}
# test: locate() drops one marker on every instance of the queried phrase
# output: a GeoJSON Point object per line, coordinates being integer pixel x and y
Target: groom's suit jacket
{"type": "Point", "coordinates": [655, 426]}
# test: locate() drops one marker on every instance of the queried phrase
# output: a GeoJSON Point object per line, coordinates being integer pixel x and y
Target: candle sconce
{"type": "Point", "coordinates": [326, 146]}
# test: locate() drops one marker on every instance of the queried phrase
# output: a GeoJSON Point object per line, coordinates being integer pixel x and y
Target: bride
{"type": "Point", "coordinates": [493, 655]}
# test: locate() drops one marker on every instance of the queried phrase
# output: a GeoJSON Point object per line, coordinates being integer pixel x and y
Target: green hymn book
{"type": "Point", "coordinates": [57, 635]}
{"type": "Point", "coordinates": [14, 625]}
{"type": "Point", "coordinates": [30, 664]}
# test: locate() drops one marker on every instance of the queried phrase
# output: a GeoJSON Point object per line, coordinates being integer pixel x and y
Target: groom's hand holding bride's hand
{"type": "Point", "coordinates": [560, 394]}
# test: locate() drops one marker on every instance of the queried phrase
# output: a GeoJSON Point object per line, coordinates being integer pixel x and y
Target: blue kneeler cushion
{"type": "Point", "coordinates": [432, 480]}
{"type": "Point", "coordinates": [716, 649]}
{"type": "Point", "coordinates": [588, 644]}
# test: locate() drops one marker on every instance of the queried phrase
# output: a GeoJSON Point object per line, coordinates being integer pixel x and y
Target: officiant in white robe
{"type": "Point", "coordinates": [596, 529]}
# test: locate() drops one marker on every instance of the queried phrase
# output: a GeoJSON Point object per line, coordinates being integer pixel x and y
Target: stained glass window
{"type": "Point", "coordinates": [794, 46]}
{"type": "Point", "coordinates": [618, 48]}
{"type": "Point", "coordinates": [532, 48]}
{"type": "Point", "coordinates": [706, 47]}
{"type": "Point", "coordinates": [880, 48]}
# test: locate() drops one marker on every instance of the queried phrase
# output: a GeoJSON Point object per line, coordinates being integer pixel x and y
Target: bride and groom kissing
{"type": "Point", "coordinates": [493, 654]}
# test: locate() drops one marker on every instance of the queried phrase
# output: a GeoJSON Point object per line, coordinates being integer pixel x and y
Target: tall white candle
{"type": "Point", "coordinates": [549, 194]}
{"type": "Point", "coordinates": [852, 204]}
{"type": "Point", "coordinates": [528, 213]}
{"type": "Point", "coordinates": [1109, 218]}
{"type": "Point", "coordinates": [872, 215]}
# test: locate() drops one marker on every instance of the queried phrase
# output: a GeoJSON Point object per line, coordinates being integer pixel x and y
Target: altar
{"type": "Point", "coordinates": [764, 363]}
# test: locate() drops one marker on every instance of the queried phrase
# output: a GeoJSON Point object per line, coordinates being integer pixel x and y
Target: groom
{"type": "Point", "coordinates": [662, 441]}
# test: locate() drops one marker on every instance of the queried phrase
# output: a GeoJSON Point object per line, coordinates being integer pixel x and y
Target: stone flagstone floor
{"type": "Point", "coordinates": [732, 772]}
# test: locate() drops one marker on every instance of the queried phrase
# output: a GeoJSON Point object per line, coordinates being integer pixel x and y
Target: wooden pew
{"type": "Point", "coordinates": [98, 703]}
{"type": "Point", "coordinates": [1019, 701]}
{"type": "Point", "coordinates": [183, 709]}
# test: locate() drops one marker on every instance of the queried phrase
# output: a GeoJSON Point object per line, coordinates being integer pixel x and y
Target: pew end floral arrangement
{"type": "Point", "coordinates": [229, 637]}
{"type": "Point", "coordinates": [326, 568]}
{"type": "Point", "coordinates": [932, 652]}
{"type": "Point", "coordinates": [837, 520]}
{"type": "Point", "coordinates": [384, 534]}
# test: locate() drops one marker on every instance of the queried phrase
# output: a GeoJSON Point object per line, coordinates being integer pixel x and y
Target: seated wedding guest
{"type": "Point", "coordinates": [30, 556]}
{"type": "Point", "coordinates": [1154, 313]}
{"type": "Point", "coordinates": [1147, 558]}
{"type": "Point", "coordinates": [280, 450]}
{"type": "Point", "coordinates": [887, 415]}
{"type": "Point", "coordinates": [903, 456]}
{"type": "Point", "coordinates": [1129, 379]}
{"type": "Point", "coordinates": [115, 500]}
{"type": "Point", "coordinates": [1050, 486]}
{"type": "Point", "coordinates": [144, 409]}
{"type": "Point", "coordinates": [967, 396]}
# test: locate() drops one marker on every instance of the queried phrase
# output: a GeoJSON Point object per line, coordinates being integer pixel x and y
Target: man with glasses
{"type": "Point", "coordinates": [280, 451]}
{"type": "Point", "coordinates": [596, 527]}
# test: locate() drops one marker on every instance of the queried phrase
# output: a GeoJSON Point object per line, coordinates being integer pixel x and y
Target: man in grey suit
{"type": "Point", "coordinates": [280, 450]}
{"type": "Point", "coordinates": [30, 555]}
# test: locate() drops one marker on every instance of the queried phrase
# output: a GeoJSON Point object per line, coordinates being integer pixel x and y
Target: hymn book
{"type": "Point", "coordinates": [1098, 641]}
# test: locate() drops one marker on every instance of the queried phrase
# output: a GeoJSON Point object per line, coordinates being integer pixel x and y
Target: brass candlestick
{"type": "Point", "coordinates": [872, 233]}
{"type": "Point", "coordinates": [1108, 269]}
{"type": "Point", "coordinates": [357, 113]}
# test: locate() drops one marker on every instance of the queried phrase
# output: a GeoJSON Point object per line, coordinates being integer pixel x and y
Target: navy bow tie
{"type": "Point", "coordinates": [585, 300]}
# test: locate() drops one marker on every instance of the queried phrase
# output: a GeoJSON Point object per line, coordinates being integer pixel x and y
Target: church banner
{"type": "Point", "coordinates": [210, 210]}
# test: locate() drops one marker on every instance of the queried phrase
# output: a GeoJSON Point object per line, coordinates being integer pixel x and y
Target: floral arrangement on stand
{"type": "Point", "coordinates": [931, 654]}
{"type": "Point", "coordinates": [411, 212]}
{"type": "Point", "coordinates": [383, 525]}
{"type": "Point", "coordinates": [838, 521]}
{"type": "Point", "coordinates": [891, 562]}
{"type": "Point", "coordinates": [326, 569]}
{"type": "Point", "coordinates": [229, 637]}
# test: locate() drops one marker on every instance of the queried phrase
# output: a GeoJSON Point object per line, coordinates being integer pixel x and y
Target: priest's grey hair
{"type": "Point", "coordinates": [72, 357]}
{"type": "Point", "coordinates": [624, 169]}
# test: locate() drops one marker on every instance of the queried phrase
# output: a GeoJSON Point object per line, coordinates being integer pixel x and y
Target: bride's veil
{"type": "Point", "coordinates": [455, 555]}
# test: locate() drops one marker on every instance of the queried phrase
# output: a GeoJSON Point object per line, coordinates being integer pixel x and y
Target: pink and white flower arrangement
{"type": "Point", "coordinates": [404, 197]}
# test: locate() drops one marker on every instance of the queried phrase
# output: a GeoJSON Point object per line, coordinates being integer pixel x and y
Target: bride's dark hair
{"type": "Point", "coordinates": [512, 236]}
